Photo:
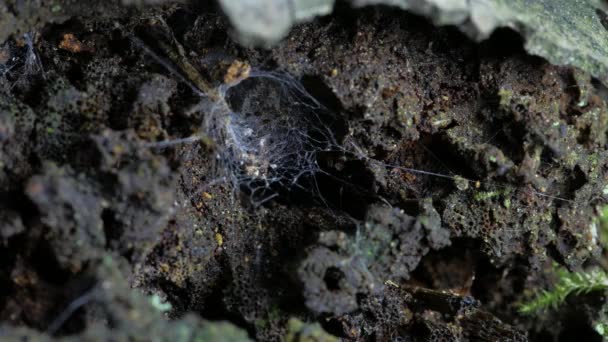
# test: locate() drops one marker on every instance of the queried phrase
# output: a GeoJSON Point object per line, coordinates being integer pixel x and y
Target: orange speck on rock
{"type": "Point", "coordinates": [237, 71]}
{"type": "Point", "coordinates": [34, 188]}
{"type": "Point", "coordinates": [164, 267]}
{"type": "Point", "coordinates": [72, 44]}
{"type": "Point", "coordinates": [408, 177]}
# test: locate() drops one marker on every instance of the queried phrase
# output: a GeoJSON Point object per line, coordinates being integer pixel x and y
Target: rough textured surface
{"type": "Point", "coordinates": [459, 172]}
{"type": "Point", "coordinates": [567, 32]}
{"type": "Point", "coordinates": [115, 312]}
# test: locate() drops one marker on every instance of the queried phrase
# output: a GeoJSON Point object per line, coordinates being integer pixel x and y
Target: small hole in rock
{"type": "Point", "coordinates": [332, 278]}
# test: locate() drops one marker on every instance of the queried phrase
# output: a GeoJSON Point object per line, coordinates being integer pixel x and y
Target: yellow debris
{"type": "Point", "coordinates": [219, 239]}
{"type": "Point", "coordinates": [391, 283]}
{"type": "Point", "coordinates": [237, 72]}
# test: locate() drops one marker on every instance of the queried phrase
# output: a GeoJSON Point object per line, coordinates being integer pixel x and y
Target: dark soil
{"type": "Point", "coordinates": [99, 231]}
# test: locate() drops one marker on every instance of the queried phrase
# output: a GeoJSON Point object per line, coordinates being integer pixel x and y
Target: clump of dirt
{"type": "Point", "coordinates": [458, 173]}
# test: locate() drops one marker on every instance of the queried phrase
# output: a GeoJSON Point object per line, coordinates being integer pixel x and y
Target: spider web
{"type": "Point", "coordinates": [270, 130]}
{"type": "Point", "coordinates": [19, 64]}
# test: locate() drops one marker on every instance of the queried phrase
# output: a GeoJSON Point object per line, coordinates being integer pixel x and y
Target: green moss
{"type": "Point", "coordinates": [603, 225]}
{"type": "Point", "coordinates": [260, 323]}
{"type": "Point", "coordinates": [568, 283]}
{"type": "Point", "coordinates": [461, 183]}
{"type": "Point", "coordinates": [484, 196]}
{"type": "Point", "coordinates": [505, 96]}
